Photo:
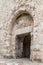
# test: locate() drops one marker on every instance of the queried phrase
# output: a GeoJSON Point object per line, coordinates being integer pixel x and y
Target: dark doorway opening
{"type": "Point", "coordinates": [26, 46]}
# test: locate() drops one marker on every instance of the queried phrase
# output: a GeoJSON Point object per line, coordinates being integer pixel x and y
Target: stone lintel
{"type": "Point", "coordinates": [23, 31]}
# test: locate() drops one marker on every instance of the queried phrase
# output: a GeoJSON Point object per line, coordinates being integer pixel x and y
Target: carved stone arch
{"type": "Point", "coordinates": [27, 9]}
{"type": "Point", "coordinates": [20, 14]}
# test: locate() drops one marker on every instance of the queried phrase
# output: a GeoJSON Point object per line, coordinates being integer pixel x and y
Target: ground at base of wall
{"type": "Point", "coordinates": [18, 62]}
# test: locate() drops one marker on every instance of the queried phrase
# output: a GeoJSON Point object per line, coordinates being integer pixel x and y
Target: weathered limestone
{"type": "Point", "coordinates": [17, 14]}
{"type": "Point", "coordinates": [23, 31]}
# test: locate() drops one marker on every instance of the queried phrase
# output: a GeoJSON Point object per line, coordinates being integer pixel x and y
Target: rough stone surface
{"type": "Point", "coordinates": [17, 14]}
{"type": "Point", "coordinates": [19, 62]}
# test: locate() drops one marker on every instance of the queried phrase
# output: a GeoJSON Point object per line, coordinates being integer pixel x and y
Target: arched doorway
{"type": "Point", "coordinates": [23, 28]}
{"type": "Point", "coordinates": [26, 46]}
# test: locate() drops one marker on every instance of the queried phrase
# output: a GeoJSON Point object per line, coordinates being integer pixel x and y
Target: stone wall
{"type": "Point", "coordinates": [9, 11]}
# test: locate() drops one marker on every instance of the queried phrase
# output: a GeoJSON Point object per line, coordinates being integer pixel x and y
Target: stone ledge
{"type": "Point", "coordinates": [19, 62]}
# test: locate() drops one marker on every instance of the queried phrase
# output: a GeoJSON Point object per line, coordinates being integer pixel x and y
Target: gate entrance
{"type": "Point", "coordinates": [26, 46]}
{"type": "Point", "coordinates": [22, 35]}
